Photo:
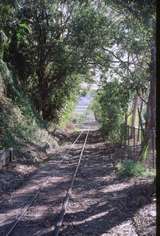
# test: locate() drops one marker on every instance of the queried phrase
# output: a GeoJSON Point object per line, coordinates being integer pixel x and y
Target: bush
{"type": "Point", "coordinates": [129, 168]}
{"type": "Point", "coordinates": [110, 106]}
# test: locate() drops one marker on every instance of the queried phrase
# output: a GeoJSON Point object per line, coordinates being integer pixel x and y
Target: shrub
{"type": "Point", "coordinates": [129, 168]}
{"type": "Point", "coordinates": [110, 106]}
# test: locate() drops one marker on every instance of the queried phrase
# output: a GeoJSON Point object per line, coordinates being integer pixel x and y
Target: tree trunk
{"type": "Point", "coordinates": [135, 103]}
{"type": "Point", "coordinates": [140, 125]}
{"type": "Point", "coordinates": [43, 92]}
{"type": "Point", "coordinates": [151, 105]}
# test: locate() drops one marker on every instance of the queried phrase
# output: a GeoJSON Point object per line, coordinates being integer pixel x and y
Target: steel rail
{"type": "Point", "coordinates": [29, 204]}
{"type": "Point", "coordinates": [69, 191]}
{"type": "Point", "coordinates": [23, 214]}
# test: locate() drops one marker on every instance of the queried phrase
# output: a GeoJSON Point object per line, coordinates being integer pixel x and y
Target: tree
{"type": "Point", "coordinates": [58, 40]}
{"type": "Point", "coordinates": [127, 52]}
{"type": "Point", "coordinates": [144, 12]}
{"type": "Point", "coordinates": [110, 107]}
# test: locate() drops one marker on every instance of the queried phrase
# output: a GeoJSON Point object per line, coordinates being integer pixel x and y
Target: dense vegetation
{"type": "Point", "coordinates": [48, 48]}
{"type": "Point", "coordinates": [127, 89]}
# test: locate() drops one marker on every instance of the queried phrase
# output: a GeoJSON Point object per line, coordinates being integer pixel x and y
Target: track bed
{"type": "Point", "coordinates": [100, 203]}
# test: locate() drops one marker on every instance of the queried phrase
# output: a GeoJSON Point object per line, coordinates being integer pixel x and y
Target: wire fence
{"type": "Point", "coordinates": [133, 143]}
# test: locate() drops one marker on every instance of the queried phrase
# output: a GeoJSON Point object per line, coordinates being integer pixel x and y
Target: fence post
{"type": "Point", "coordinates": [138, 134]}
{"type": "Point", "coordinates": [153, 147]}
{"type": "Point", "coordinates": [134, 142]}
{"type": "Point", "coordinates": [128, 134]}
{"type": "Point", "coordinates": [11, 158]}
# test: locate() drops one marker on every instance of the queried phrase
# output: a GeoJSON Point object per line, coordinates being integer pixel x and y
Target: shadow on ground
{"type": "Point", "coordinates": [100, 199]}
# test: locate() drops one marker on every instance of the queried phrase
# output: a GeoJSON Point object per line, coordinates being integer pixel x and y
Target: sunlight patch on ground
{"type": "Point", "coordinates": [44, 231]}
{"type": "Point", "coordinates": [24, 169]}
{"type": "Point", "coordinates": [37, 212]}
{"type": "Point", "coordinates": [126, 228]}
{"type": "Point", "coordinates": [116, 187]}
{"type": "Point", "coordinates": [89, 219]}
{"type": "Point", "coordinates": [8, 217]}
{"type": "Point", "coordinates": [44, 182]}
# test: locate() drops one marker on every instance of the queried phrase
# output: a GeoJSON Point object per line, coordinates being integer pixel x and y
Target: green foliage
{"type": "Point", "coordinates": [129, 168]}
{"type": "Point", "coordinates": [83, 92]}
{"type": "Point", "coordinates": [18, 120]}
{"type": "Point", "coordinates": [110, 107]}
{"type": "Point", "coordinates": [6, 16]}
{"type": "Point", "coordinates": [22, 30]}
{"type": "Point", "coordinates": [49, 45]}
{"type": "Point", "coordinates": [68, 107]}
{"type": "Point", "coordinates": [53, 45]}
{"type": "Point", "coordinates": [18, 123]}
{"type": "Point", "coordinates": [145, 152]}
{"type": "Point", "coordinates": [143, 10]}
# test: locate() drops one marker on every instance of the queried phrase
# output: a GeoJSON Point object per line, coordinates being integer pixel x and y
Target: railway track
{"type": "Point", "coordinates": [34, 198]}
{"type": "Point", "coordinates": [69, 191]}
{"type": "Point", "coordinates": [77, 195]}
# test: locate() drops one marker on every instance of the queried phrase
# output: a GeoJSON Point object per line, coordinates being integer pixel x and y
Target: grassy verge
{"type": "Point", "coordinates": [130, 168]}
{"type": "Point", "coordinates": [19, 123]}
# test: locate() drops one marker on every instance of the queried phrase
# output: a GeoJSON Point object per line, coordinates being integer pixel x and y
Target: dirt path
{"type": "Point", "coordinates": [101, 203]}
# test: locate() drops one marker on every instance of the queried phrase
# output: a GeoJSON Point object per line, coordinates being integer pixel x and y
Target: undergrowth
{"type": "Point", "coordinates": [130, 168]}
{"type": "Point", "coordinates": [19, 122]}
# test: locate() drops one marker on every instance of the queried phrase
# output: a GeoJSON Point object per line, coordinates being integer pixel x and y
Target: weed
{"type": "Point", "coordinates": [129, 168]}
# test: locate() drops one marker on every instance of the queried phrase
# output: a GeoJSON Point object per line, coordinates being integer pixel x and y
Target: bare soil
{"type": "Point", "coordinates": [101, 204]}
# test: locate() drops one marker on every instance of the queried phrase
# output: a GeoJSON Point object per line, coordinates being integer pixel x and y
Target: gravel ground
{"type": "Point", "coordinates": [101, 203]}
